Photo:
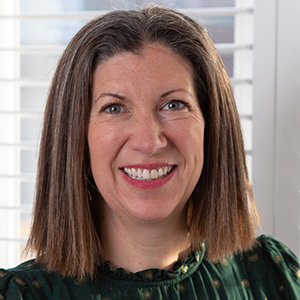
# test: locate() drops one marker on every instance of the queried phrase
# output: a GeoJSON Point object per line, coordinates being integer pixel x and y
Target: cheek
{"type": "Point", "coordinates": [190, 144]}
{"type": "Point", "coordinates": [100, 158]}
{"type": "Point", "coordinates": [96, 146]}
{"type": "Point", "coordinates": [104, 145]}
{"type": "Point", "coordinates": [190, 138]}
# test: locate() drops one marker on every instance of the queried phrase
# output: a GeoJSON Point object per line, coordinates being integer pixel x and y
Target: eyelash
{"type": "Point", "coordinates": [110, 104]}
{"type": "Point", "coordinates": [186, 104]}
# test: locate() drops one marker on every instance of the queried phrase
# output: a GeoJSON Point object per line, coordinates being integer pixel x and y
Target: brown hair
{"type": "Point", "coordinates": [221, 208]}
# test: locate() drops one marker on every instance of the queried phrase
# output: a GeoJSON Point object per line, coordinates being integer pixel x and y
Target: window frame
{"type": "Point", "coordinates": [276, 119]}
{"type": "Point", "coordinates": [276, 195]}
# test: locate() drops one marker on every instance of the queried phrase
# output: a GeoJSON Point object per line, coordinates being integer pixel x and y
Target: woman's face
{"type": "Point", "coordinates": [145, 134]}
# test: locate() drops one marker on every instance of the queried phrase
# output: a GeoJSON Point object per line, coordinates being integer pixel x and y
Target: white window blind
{"type": "Point", "coordinates": [33, 35]}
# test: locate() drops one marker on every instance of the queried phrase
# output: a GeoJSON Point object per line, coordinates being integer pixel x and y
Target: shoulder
{"type": "Point", "coordinates": [276, 250]}
{"type": "Point", "coordinates": [31, 281]}
{"type": "Point", "coordinates": [270, 270]}
{"type": "Point", "coordinates": [277, 264]}
{"type": "Point", "coordinates": [24, 282]}
{"type": "Point", "coordinates": [278, 255]}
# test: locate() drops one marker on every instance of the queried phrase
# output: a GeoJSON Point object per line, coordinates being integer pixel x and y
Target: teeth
{"type": "Point", "coordinates": [133, 172]}
{"type": "Point", "coordinates": [145, 174]}
{"type": "Point", "coordinates": [139, 173]}
{"type": "Point", "coordinates": [154, 174]}
{"type": "Point", "coordinates": [160, 172]}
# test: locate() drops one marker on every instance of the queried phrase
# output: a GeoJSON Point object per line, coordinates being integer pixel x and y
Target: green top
{"type": "Point", "coordinates": [270, 271]}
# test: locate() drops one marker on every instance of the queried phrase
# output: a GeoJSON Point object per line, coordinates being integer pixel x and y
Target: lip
{"type": "Point", "coordinates": [151, 184]}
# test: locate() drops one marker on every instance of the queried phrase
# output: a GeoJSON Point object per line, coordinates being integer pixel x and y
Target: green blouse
{"type": "Point", "coordinates": [269, 271]}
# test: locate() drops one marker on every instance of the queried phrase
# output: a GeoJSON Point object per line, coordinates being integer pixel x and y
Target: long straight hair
{"type": "Point", "coordinates": [222, 211]}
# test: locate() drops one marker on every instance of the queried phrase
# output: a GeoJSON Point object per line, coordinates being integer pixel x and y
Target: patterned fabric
{"type": "Point", "coordinates": [269, 271]}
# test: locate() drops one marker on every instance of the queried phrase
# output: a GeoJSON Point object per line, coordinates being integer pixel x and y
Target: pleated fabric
{"type": "Point", "coordinates": [270, 271]}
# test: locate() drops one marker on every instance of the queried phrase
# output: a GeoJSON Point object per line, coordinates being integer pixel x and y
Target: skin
{"type": "Point", "coordinates": [145, 113]}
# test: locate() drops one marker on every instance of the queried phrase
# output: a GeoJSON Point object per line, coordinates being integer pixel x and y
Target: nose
{"type": "Point", "coordinates": [147, 134]}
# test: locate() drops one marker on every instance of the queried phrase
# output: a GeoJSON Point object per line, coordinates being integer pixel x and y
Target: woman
{"type": "Point", "coordinates": [142, 186]}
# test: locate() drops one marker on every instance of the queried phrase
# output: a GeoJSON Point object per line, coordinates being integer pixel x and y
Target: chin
{"type": "Point", "coordinates": [159, 213]}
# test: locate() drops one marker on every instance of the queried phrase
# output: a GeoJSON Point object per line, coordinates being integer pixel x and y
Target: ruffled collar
{"type": "Point", "coordinates": [182, 269]}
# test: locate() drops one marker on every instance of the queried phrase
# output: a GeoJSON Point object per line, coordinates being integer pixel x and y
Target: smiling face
{"type": "Point", "coordinates": [145, 134]}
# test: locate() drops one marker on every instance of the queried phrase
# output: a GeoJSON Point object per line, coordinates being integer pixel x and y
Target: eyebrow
{"type": "Point", "coordinates": [123, 98]}
{"type": "Point", "coordinates": [174, 91]}
{"type": "Point", "coordinates": [110, 95]}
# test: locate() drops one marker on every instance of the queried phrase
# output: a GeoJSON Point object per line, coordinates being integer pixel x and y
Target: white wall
{"type": "Point", "coordinates": [276, 118]}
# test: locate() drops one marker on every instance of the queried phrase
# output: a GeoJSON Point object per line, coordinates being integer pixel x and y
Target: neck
{"type": "Point", "coordinates": [136, 245]}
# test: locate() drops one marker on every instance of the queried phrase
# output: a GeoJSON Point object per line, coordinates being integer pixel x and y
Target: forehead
{"type": "Point", "coordinates": [153, 61]}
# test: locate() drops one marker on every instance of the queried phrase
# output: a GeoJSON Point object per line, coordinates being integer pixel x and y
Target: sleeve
{"type": "Point", "coordinates": [11, 287]}
{"type": "Point", "coordinates": [283, 269]}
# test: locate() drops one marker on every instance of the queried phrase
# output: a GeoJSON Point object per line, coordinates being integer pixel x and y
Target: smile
{"type": "Point", "coordinates": [148, 174]}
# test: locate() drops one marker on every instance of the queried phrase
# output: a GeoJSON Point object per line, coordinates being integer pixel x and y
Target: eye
{"type": "Point", "coordinates": [113, 108]}
{"type": "Point", "coordinates": [175, 105]}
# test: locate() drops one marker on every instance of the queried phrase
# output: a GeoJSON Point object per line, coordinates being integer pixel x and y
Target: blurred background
{"type": "Point", "coordinates": [260, 47]}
